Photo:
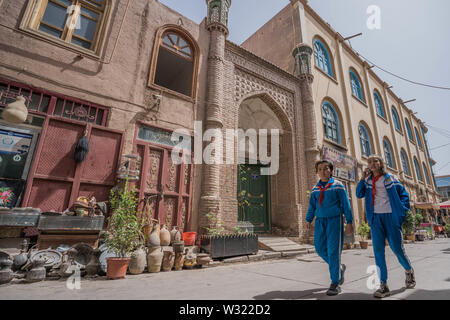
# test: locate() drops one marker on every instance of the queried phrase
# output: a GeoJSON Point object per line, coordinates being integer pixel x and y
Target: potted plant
{"type": "Point", "coordinates": [447, 230]}
{"type": "Point", "coordinates": [123, 230]}
{"type": "Point", "coordinates": [363, 230]}
{"type": "Point", "coordinates": [408, 226]}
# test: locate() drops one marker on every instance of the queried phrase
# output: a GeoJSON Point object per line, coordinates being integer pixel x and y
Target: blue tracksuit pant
{"type": "Point", "coordinates": [383, 228]}
{"type": "Point", "coordinates": [329, 240]}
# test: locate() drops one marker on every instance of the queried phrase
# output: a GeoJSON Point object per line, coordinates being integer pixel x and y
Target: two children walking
{"type": "Point", "coordinates": [386, 203]}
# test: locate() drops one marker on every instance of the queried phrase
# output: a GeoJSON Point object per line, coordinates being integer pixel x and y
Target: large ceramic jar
{"type": "Point", "coordinates": [164, 236]}
{"type": "Point", "coordinates": [138, 261]}
{"type": "Point", "coordinates": [175, 235]}
{"type": "Point", "coordinates": [168, 261]}
{"type": "Point", "coordinates": [6, 274]}
{"type": "Point", "coordinates": [154, 259]}
{"type": "Point", "coordinates": [154, 240]}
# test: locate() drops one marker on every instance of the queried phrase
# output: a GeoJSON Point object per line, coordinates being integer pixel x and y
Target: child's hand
{"type": "Point", "coordinates": [349, 229]}
{"type": "Point", "coordinates": [308, 225]}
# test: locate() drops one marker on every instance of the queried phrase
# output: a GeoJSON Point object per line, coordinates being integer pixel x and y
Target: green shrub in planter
{"type": "Point", "coordinates": [447, 229]}
{"type": "Point", "coordinates": [124, 227]}
{"type": "Point", "coordinates": [363, 230]}
{"type": "Point", "coordinates": [408, 226]}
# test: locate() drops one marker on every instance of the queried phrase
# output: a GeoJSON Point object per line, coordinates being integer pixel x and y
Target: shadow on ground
{"type": "Point", "coordinates": [320, 294]}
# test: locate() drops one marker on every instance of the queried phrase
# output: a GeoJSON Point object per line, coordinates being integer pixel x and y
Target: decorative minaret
{"type": "Point", "coordinates": [217, 22]}
{"type": "Point", "coordinates": [302, 55]}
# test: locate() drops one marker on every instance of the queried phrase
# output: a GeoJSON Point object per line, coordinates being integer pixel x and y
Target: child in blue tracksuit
{"type": "Point", "coordinates": [386, 202]}
{"type": "Point", "coordinates": [328, 202]}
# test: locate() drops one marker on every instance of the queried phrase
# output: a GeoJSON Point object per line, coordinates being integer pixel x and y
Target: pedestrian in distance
{"type": "Point", "coordinates": [386, 203]}
{"type": "Point", "coordinates": [328, 203]}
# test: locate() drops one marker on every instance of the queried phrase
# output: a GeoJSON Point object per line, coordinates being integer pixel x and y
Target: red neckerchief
{"type": "Point", "coordinates": [322, 192]}
{"type": "Point", "coordinates": [374, 191]}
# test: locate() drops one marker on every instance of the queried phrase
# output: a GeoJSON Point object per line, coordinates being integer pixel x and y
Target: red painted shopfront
{"type": "Point", "coordinates": [52, 180]}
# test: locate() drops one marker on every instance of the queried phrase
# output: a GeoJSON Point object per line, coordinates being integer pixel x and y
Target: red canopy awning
{"type": "Point", "coordinates": [445, 204]}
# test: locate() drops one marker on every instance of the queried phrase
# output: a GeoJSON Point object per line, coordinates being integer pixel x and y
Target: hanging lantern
{"type": "Point", "coordinates": [16, 112]}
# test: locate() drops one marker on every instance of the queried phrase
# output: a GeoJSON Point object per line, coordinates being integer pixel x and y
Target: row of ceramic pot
{"type": "Point", "coordinates": [155, 259]}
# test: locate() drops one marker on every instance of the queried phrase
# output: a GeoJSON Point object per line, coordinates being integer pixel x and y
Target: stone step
{"type": "Point", "coordinates": [281, 244]}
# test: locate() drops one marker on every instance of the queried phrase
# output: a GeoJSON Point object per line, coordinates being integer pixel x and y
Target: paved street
{"type": "Point", "coordinates": [305, 277]}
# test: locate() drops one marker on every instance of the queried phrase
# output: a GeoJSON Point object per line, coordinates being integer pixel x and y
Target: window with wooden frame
{"type": "Point", "coordinates": [175, 60]}
{"type": "Point", "coordinates": [81, 23]}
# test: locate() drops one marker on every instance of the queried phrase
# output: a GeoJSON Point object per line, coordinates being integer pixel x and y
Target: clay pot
{"type": "Point", "coordinates": [178, 247]}
{"type": "Point", "coordinates": [168, 261]}
{"type": "Point", "coordinates": [16, 112]}
{"type": "Point", "coordinates": [164, 236]}
{"type": "Point", "coordinates": [38, 272]}
{"type": "Point", "coordinates": [6, 274]}
{"type": "Point", "coordinates": [93, 267]}
{"type": "Point", "coordinates": [363, 244]}
{"type": "Point", "coordinates": [117, 267]}
{"type": "Point", "coordinates": [154, 240]}
{"type": "Point", "coordinates": [154, 259]}
{"type": "Point", "coordinates": [203, 259]}
{"type": "Point", "coordinates": [22, 257]}
{"type": "Point", "coordinates": [175, 235]}
{"type": "Point", "coordinates": [179, 261]}
{"type": "Point", "coordinates": [138, 261]}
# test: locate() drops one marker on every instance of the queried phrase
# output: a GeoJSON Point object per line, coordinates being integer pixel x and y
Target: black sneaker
{"type": "Point", "coordinates": [382, 292]}
{"type": "Point", "coordinates": [333, 290]}
{"type": "Point", "coordinates": [410, 281]}
{"type": "Point", "coordinates": [343, 268]}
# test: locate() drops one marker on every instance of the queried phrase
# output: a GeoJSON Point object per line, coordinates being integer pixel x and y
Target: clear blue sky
{"type": "Point", "coordinates": [413, 42]}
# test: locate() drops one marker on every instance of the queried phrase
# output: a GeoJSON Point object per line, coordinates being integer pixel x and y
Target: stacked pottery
{"type": "Point", "coordinates": [138, 260]}
{"type": "Point", "coordinates": [175, 235]}
{"type": "Point", "coordinates": [164, 236]}
{"type": "Point", "coordinates": [168, 261]}
{"type": "Point", "coordinates": [38, 272]}
{"type": "Point", "coordinates": [179, 261]}
{"type": "Point", "coordinates": [154, 259]}
{"type": "Point", "coordinates": [154, 240]}
{"type": "Point", "coordinates": [6, 274]}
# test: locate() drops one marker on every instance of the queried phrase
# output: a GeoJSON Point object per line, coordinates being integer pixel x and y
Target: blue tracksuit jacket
{"type": "Point", "coordinates": [398, 197]}
{"type": "Point", "coordinates": [335, 203]}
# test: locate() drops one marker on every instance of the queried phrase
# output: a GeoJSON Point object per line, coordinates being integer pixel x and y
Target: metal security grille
{"type": "Point", "coordinates": [41, 102]}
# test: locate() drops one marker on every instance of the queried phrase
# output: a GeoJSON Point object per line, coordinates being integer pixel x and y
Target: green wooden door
{"type": "Point", "coordinates": [253, 197]}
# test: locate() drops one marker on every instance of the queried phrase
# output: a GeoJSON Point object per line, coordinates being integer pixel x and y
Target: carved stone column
{"type": "Point", "coordinates": [302, 55]}
{"type": "Point", "coordinates": [217, 21]}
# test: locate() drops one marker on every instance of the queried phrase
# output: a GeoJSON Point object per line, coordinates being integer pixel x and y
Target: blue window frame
{"type": "Point", "coordinates": [425, 171]}
{"type": "Point", "coordinates": [405, 163]}
{"type": "Point", "coordinates": [416, 166]}
{"type": "Point", "coordinates": [388, 153]}
{"type": "Point", "coordinates": [364, 139]}
{"type": "Point", "coordinates": [331, 122]}
{"type": "Point", "coordinates": [419, 143]}
{"type": "Point", "coordinates": [379, 104]}
{"type": "Point", "coordinates": [356, 86]}
{"type": "Point", "coordinates": [396, 120]}
{"type": "Point", "coordinates": [323, 60]}
{"type": "Point", "coordinates": [408, 128]}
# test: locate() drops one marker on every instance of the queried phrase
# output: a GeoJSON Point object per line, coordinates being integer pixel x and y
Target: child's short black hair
{"type": "Point", "coordinates": [329, 163]}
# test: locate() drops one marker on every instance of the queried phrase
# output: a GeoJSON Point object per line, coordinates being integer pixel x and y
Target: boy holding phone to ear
{"type": "Point", "coordinates": [328, 202]}
{"type": "Point", "coordinates": [386, 202]}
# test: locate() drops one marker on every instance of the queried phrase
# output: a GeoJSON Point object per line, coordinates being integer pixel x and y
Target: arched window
{"type": "Point", "coordinates": [425, 171]}
{"type": "Point", "coordinates": [388, 153]}
{"type": "Point", "coordinates": [78, 22]}
{"type": "Point", "coordinates": [331, 122]}
{"type": "Point", "coordinates": [419, 143]}
{"type": "Point", "coordinates": [356, 86]}
{"type": "Point", "coordinates": [408, 129]}
{"type": "Point", "coordinates": [405, 162]}
{"type": "Point", "coordinates": [379, 104]}
{"type": "Point", "coordinates": [323, 60]}
{"type": "Point", "coordinates": [176, 61]}
{"type": "Point", "coordinates": [416, 166]}
{"type": "Point", "coordinates": [396, 120]}
{"type": "Point", "coordinates": [364, 139]}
